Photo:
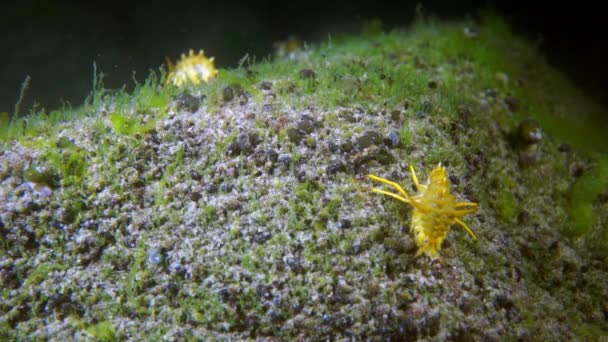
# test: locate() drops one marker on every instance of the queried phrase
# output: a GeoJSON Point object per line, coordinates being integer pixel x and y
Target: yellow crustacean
{"type": "Point", "coordinates": [435, 209]}
{"type": "Point", "coordinates": [193, 68]}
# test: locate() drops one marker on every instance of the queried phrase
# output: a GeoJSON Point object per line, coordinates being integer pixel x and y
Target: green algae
{"type": "Point", "coordinates": [160, 197]}
{"type": "Point", "coordinates": [583, 194]}
{"type": "Point", "coordinates": [103, 331]}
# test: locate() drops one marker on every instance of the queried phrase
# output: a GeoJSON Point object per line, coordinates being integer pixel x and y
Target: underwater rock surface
{"type": "Point", "coordinates": [176, 213]}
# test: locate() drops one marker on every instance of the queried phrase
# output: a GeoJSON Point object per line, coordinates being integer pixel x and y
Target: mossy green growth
{"type": "Point", "coordinates": [37, 123]}
{"type": "Point", "coordinates": [123, 124]}
{"type": "Point", "coordinates": [582, 219]}
{"type": "Point", "coordinates": [582, 195]}
{"type": "Point", "coordinates": [41, 273]}
{"type": "Point", "coordinates": [5, 118]}
{"type": "Point", "coordinates": [159, 197]}
{"type": "Point", "coordinates": [151, 96]}
{"type": "Point", "coordinates": [46, 177]}
{"type": "Point", "coordinates": [203, 307]}
{"type": "Point", "coordinates": [502, 198]}
{"type": "Point", "coordinates": [230, 84]}
{"type": "Point", "coordinates": [69, 159]}
{"type": "Point", "coordinates": [506, 205]}
{"type": "Point", "coordinates": [102, 331]}
{"type": "Point", "coordinates": [207, 214]}
{"type": "Point", "coordinates": [591, 331]}
{"type": "Point", "coordinates": [583, 129]}
{"type": "Point", "coordinates": [137, 266]}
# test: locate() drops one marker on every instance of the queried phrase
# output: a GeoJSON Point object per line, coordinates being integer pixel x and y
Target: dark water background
{"type": "Point", "coordinates": [56, 42]}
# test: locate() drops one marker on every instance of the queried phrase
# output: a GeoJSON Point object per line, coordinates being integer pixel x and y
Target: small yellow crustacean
{"type": "Point", "coordinates": [191, 69]}
{"type": "Point", "coordinates": [435, 209]}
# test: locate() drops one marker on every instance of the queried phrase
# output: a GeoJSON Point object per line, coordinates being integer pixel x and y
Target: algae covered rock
{"type": "Point", "coordinates": [240, 208]}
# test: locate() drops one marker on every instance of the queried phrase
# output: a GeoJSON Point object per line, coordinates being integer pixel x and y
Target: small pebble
{"type": "Point", "coordinates": [344, 224]}
{"type": "Point", "coordinates": [336, 166]}
{"type": "Point", "coordinates": [265, 85]}
{"type": "Point", "coordinates": [155, 256]}
{"type": "Point", "coordinates": [187, 102]}
{"type": "Point", "coordinates": [393, 138]}
{"type": "Point", "coordinates": [308, 74]}
{"type": "Point", "coordinates": [306, 126]}
{"type": "Point", "coordinates": [490, 92]}
{"type": "Point", "coordinates": [529, 132]}
{"type": "Point", "coordinates": [294, 135]}
{"type": "Point", "coordinates": [395, 115]}
{"type": "Point", "coordinates": [285, 159]}
{"type": "Point", "coordinates": [368, 138]}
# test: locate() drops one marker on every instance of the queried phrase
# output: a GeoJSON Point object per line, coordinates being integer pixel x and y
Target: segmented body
{"type": "Point", "coordinates": [191, 69]}
{"type": "Point", "coordinates": [435, 209]}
